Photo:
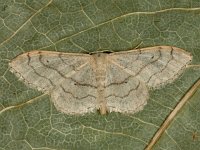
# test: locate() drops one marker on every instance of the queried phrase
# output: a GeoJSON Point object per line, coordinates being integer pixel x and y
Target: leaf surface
{"type": "Point", "coordinates": [28, 119]}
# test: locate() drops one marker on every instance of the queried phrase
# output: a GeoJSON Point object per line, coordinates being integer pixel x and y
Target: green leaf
{"type": "Point", "coordinates": [29, 120]}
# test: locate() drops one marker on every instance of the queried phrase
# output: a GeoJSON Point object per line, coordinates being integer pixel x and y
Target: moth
{"type": "Point", "coordinates": [115, 82]}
